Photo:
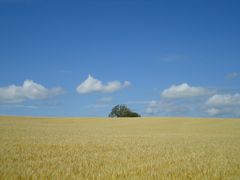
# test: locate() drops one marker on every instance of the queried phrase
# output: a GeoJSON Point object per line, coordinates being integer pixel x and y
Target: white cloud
{"type": "Point", "coordinates": [153, 107]}
{"type": "Point", "coordinates": [94, 85]}
{"type": "Point", "coordinates": [224, 104]}
{"type": "Point", "coordinates": [166, 108]}
{"type": "Point", "coordinates": [224, 111]}
{"type": "Point", "coordinates": [29, 90]}
{"type": "Point", "coordinates": [183, 91]}
{"type": "Point", "coordinates": [213, 111]}
{"type": "Point", "coordinates": [224, 100]}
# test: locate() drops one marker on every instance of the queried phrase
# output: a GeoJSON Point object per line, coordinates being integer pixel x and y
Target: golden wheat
{"type": "Point", "coordinates": [137, 148]}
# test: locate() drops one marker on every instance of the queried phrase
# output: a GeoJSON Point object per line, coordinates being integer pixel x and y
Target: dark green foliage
{"type": "Point", "coordinates": [122, 111]}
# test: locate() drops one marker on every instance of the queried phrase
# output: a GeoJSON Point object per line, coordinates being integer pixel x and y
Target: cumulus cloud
{"type": "Point", "coordinates": [29, 90]}
{"type": "Point", "coordinates": [224, 100]}
{"type": "Point", "coordinates": [223, 104]}
{"type": "Point", "coordinates": [183, 91]}
{"type": "Point", "coordinates": [177, 100]}
{"type": "Point", "coordinates": [94, 85]}
{"type": "Point", "coordinates": [213, 111]}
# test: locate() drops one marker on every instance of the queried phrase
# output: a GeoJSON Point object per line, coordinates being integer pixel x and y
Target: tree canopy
{"type": "Point", "coordinates": [122, 111]}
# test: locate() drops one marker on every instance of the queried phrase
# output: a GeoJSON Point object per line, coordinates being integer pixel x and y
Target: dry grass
{"type": "Point", "coordinates": [146, 148]}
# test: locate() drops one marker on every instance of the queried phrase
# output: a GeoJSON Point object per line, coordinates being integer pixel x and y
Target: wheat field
{"type": "Point", "coordinates": [102, 148]}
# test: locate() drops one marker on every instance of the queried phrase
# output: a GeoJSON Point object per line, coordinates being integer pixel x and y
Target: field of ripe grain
{"type": "Point", "coordinates": [145, 148]}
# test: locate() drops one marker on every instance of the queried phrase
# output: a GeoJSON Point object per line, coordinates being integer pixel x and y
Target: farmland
{"type": "Point", "coordinates": [134, 148]}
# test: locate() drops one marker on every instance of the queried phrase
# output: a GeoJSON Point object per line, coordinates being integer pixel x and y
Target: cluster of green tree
{"type": "Point", "coordinates": [122, 111]}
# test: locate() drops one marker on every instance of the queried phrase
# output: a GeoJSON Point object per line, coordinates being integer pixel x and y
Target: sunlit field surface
{"type": "Point", "coordinates": [137, 148]}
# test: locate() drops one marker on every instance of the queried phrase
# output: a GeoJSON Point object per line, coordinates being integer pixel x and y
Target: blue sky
{"type": "Point", "coordinates": [80, 58]}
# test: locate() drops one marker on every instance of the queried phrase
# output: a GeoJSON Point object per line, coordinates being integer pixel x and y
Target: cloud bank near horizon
{"type": "Point", "coordinates": [182, 99]}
